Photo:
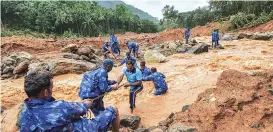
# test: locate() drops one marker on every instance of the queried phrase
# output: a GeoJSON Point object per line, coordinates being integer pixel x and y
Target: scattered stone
{"type": "Point", "coordinates": [172, 45]}
{"type": "Point", "coordinates": [178, 127]}
{"type": "Point", "coordinates": [220, 46]}
{"type": "Point", "coordinates": [130, 121]}
{"type": "Point", "coordinates": [22, 67]}
{"type": "Point", "coordinates": [270, 91]}
{"type": "Point", "coordinates": [72, 48]}
{"type": "Point", "coordinates": [212, 99]}
{"type": "Point", "coordinates": [151, 128]}
{"type": "Point", "coordinates": [157, 130]}
{"type": "Point", "coordinates": [5, 76]}
{"type": "Point", "coordinates": [199, 48]}
{"type": "Point", "coordinates": [194, 41]}
{"type": "Point", "coordinates": [185, 107]}
{"type": "Point", "coordinates": [229, 37]}
{"type": "Point", "coordinates": [245, 35]}
{"type": "Point", "coordinates": [154, 56]}
{"type": "Point", "coordinates": [3, 108]}
{"type": "Point", "coordinates": [141, 130]}
{"type": "Point", "coordinates": [255, 125]}
{"type": "Point", "coordinates": [21, 56]}
{"type": "Point", "coordinates": [7, 70]}
{"type": "Point", "coordinates": [83, 57]}
{"type": "Point", "coordinates": [162, 123]}
{"type": "Point", "coordinates": [71, 56]}
{"type": "Point", "coordinates": [163, 128]}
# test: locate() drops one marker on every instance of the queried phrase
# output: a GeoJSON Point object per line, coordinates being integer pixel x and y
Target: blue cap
{"type": "Point", "coordinates": [108, 62]}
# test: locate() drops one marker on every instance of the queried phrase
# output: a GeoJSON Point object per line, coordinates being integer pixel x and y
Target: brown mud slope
{"type": "Point", "coordinates": [240, 103]}
{"type": "Point", "coordinates": [267, 27]}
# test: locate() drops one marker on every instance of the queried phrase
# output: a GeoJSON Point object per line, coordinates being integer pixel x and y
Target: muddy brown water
{"type": "Point", "coordinates": [187, 76]}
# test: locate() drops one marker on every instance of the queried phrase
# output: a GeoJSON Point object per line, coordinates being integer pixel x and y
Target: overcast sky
{"type": "Point", "coordinates": [154, 7]}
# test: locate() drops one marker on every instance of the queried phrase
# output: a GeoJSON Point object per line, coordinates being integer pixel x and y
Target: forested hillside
{"type": "Point", "coordinates": [136, 11]}
{"type": "Point", "coordinates": [82, 18]}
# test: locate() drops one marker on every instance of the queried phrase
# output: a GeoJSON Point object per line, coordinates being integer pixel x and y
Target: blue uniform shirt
{"type": "Point", "coordinates": [123, 61]}
{"type": "Point", "coordinates": [95, 83]}
{"type": "Point", "coordinates": [133, 76]}
{"type": "Point", "coordinates": [113, 38]}
{"type": "Point", "coordinates": [105, 47]}
{"type": "Point", "coordinates": [145, 72]}
{"type": "Point", "coordinates": [60, 116]}
{"type": "Point", "coordinates": [132, 45]}
{"type": "Point", "coordinates": [158, 79]}
{"type": "Point", "coordinates": [214, 36]}
{"type": "Point", "coordinates": [187, 33]}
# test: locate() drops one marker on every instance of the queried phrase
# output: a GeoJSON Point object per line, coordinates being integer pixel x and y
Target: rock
{"type": "Point", "coordinates": [179, 42]}
{"type": "Point", "coordinates": [71, 56]}
{"type": "Point", "coordinates": [172, 45]}
{"type": "Point", "coordinates": [212, 99]}
{"type": "Point", "coordinates": [185, 107]}
{"type": "Point", "coordinates": [22, 108]}
{"type": "Point", "coordinates": [83, 57]}
{"type": "Point", "coordinates": [70, 48]}
{"type": "Point", "coordinates": [255, 125]}
{"type": "Point", "coordinates": [178, 127]}
{"type": "Point", "coordinates": [141, 130]}
{"type": "Point", "coordinates": [162, 123]}
{"type": "Point", "coordinates": [154, 56]}
{"type": "Point", "coordinates": [62, 66]}
{"type": "Point", "coordinates": [220, 46]}
{"type": "Point", "coordinates": [199, 48]}
{"type": "Point", "coordinates": [21, 56]}
{"type": "Point", "coordinates": [262, 36]}
{"type": "Point", "coordinates": [194, 41]}
{"type": "Point", "coordinates": [182, 50]}
{"type": "Point", "coordinates": [7, 61]}
{"type": "Point", "coordinates": [270, 91]}
{"type": "Point", "coordinates": [229, 37]}
{"type": "Point", "coordinates": [5, 76]}
{"type": "Point", "coordinates": [163, 128]}
{"type": "Point", "coordinates": [22, 67]}
{"type": "Point", "coordinates": [151, 128]}
{"type": "Point", "coordinates": [245, 35]}
{"type": "Point", "coordinates": [3, 108]}
{"type": "Point", "coordinates": [84, 51]}
{"type": "Point", "coordinates": [130, 121]}
{"type": "Point", "coordinates": [125, 130]}
{"type": "Point", "coordinates": [157, 130]}
{"type": "Point", "coordinates": [7, 70]}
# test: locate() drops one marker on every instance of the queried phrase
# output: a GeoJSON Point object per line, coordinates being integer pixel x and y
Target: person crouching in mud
{"type": "Point", "coordinates": [134, 78]}
{"type": "Point", "coordinates": [159, 82]}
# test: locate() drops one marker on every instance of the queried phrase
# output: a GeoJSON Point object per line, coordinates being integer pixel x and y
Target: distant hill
{"type": "Point", "coordinates": [140, 13]}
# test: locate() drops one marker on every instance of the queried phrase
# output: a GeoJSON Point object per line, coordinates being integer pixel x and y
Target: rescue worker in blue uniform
{"type": "Point", "coordinates": [214, 39]}
{"type": "Point", "coordinates": [129, 57]}
{"type": "Point", "coordinates": [44, 113]}
{"type": "Point", "coordinates": [134, 78]}
{"type": "Point", "coordinates": [95, 83]}
{"type": "Point", "coordinates": [217, 37]}
{"type": "Point", "coordinates": [145, 70]}
{"type": "Point", "coordinates": [187, 35]}
{"type": "Point", "coordinates": [106, 49]}
{"type": "Point", "coordinates": [159, 82]}
{"type": "Point", "coordinates": [133, 46]}
{"type": "Point", "coordinates": [114, 44]}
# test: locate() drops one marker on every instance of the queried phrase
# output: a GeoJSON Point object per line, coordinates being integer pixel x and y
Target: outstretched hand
{"type": "Point", "coordinates": [126, 85]}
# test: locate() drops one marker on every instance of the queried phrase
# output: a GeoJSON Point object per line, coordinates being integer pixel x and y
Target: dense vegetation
{"type": "Point", "coordinates": [240, 13]}
{"type": "Point", "coordinates": [83, 18]}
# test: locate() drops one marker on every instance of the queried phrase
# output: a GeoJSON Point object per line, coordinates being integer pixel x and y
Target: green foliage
{"type": "Point", "coordinates": [240, 13]}
{"type": "Point", "coordinates": [83, 18]}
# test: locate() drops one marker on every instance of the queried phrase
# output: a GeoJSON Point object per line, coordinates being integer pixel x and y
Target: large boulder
{"type": "Point", "coordinates": [262, 36]}
{"type": "Point", "coordinates": [84, 51]}
{"type": "Point", "coordinates": [130, 121]}
{"type": "Point", "coordinates": [21, 56]}
{"type": "Point", "coordinates": [154, 56]}
{"type": "Point", "coordinates": [70, 48]}
{"type": "Point", "coordinates": [229, 37]}
{"type": "Point", "coordinates": [22, 67]}
{"type": "Point", "coordinates": [199, 48]}
{"type": "Point", "coordinates": [245, 35]}
{"type": "Point", "coordinates": [71, 56]}
{"type": "Point", "coordinates": [172, 45]}
{"type": "Point", "coordinates": [178, 127]}
{"type": "Point", "coordinates": [62, 66]}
